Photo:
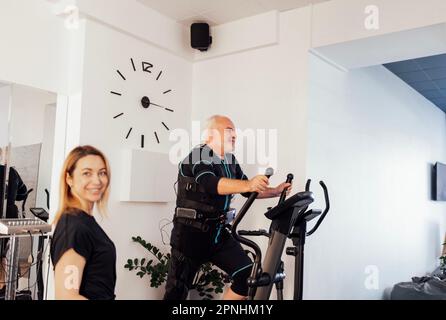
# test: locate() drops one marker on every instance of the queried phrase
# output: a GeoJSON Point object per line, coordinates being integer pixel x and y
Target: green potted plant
{"type": "Point", "coordinates": [207, 282]}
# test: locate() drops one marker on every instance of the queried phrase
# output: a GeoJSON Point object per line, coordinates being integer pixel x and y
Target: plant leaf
{"type": "Point", "coordinates": [208, 280]}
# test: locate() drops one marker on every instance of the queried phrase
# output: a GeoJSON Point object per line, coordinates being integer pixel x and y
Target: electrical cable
{"type": "Point", "coordinates": [163, 232]}
{"type": "Point", "coordinates": [175, 188]}
{"type": "Point", "coordinates": [35, 263]}
{"type": "Point", "coordinates": [39, 268]}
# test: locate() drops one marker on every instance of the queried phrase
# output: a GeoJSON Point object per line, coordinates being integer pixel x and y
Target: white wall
{"type": "Point", "coordinates": [107, 50]}
{"type": "Point", "coordinates": [430, 40]}
{"type": "Point", "coordinates": [28, 114]}
{"type": "Point", "coordinates": [373, 140]}
{"type": "Point", "coordinates": [349, 41]}
{"type": "Point", "coordinates": [338, 21]}
{"type": "Point", "coordinates": [145, 24]}
{"type": "Point", "coordinates": [37, 50]}
{"type": "Point", "coordinates": [226, 40]}
{"type": "Point", "coordinates": [5, 99]}
{"type": "Point", "coordinates": [264, 88]}
{"type": "Point", "coordinates": [46, 157]}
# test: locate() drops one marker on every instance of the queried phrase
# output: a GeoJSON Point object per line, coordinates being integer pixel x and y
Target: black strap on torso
{"type": "Point", "coordinates": [193, 196]}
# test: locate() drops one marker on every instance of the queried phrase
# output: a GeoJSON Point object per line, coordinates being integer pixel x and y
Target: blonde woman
{"type": "Point", "coordinates": [83, 256]}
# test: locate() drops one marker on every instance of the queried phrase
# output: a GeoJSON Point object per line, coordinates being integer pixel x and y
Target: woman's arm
{"type": "Point", "coordinates": [68, 276]}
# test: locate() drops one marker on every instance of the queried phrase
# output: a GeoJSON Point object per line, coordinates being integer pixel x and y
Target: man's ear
{"type": "Point", "coordinates": [208, 134]}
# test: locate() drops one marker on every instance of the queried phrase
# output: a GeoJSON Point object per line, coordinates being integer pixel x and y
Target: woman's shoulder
{"type": "Point", "coordinates": [72, 231]}
{"type": "Point", "coordinates": [74, 218]}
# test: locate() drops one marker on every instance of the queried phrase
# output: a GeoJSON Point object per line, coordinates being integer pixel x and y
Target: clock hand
{"type": "Point", "coordinates": [146, 103]}
{"type": "Point", "coordinates": [157, 105]}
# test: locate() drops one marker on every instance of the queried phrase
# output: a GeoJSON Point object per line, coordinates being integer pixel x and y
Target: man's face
{"type": "Point", "coordinates": [225, 135]}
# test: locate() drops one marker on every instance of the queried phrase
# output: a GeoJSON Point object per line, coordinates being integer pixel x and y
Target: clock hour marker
{"type": "Point", "coordinates": [121, 74]}
{"type": "Point", "coordinates": [117, 116]}
{"type": "Point", "coordinates": [142, 141]}
{"type": "Point", "coordinates": [159, 75]}
{"type": "Point", "coordinates": [167, 109]}
{"type": "Point", "coordinates": [156, 136]}
{"type": "Point", "coordinates": [133, 64]}
{"type": "Point", "coordinates": [165, 126]}
{"type": "Point", "coordinates": [116, 93]}
{"type": "Point", "coordinates": [146, 66]}
{"type": "Point", "coordinates": [128, 134]}
{"type": "Point", "coordinates": [166, 92]}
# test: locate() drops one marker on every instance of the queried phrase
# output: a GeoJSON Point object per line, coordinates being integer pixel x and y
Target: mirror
{"type": "Point", "coordinates": [5, 106]}
{"type": "Point", "coordinates": [27, 131]}
{"type": "Point", "coordinates": [32, 126]}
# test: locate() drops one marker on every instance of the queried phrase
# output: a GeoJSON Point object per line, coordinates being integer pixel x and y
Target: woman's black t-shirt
{"type": "Point", "coordinates": [79, 231]}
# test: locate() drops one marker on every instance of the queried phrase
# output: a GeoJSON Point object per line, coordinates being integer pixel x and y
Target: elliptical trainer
{"type": "Point", "coordinates": [288, 220]}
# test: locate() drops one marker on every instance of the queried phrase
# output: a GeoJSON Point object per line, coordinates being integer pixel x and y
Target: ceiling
{"type": "Point", "coordinates": [216, 12]}
{"type": "Point", "coordinates": [426, 75]}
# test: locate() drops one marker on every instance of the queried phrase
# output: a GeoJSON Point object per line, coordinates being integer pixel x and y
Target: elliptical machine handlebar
{"type": "Point", "coordinates": [263, 232]}
{"type": "Point", "coordinates": [307, 185]}
{"type": "Point", "coordinates": [289, 179]}
{"type": "Point", "coordinates": [258, 253]}
{"type": "Point", "coordinates": [327, 206]}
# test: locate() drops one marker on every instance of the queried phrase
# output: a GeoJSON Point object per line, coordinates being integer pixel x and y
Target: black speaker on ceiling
{"type": "Point", "coordinates": [200, 36]}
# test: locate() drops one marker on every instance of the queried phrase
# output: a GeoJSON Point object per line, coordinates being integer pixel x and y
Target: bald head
{"type": "Point", "coordinates": [220, 134]}
{"type": "Point", "coordinates": [216, 120]}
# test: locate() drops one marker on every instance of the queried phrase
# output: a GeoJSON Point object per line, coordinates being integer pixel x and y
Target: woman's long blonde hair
{"type": "Point", "coordinates": [67, 201]}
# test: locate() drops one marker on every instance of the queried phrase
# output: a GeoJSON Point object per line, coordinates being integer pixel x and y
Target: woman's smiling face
{"type": "Point", "coordinates": [89, 180]}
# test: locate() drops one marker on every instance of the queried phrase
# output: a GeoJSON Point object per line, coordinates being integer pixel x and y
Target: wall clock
{"type": "Point", "coordinates": [148, 103]}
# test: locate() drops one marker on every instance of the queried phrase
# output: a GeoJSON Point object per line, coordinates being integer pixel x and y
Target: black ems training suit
{"type": "Point", "coordinates": [199, 234]}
